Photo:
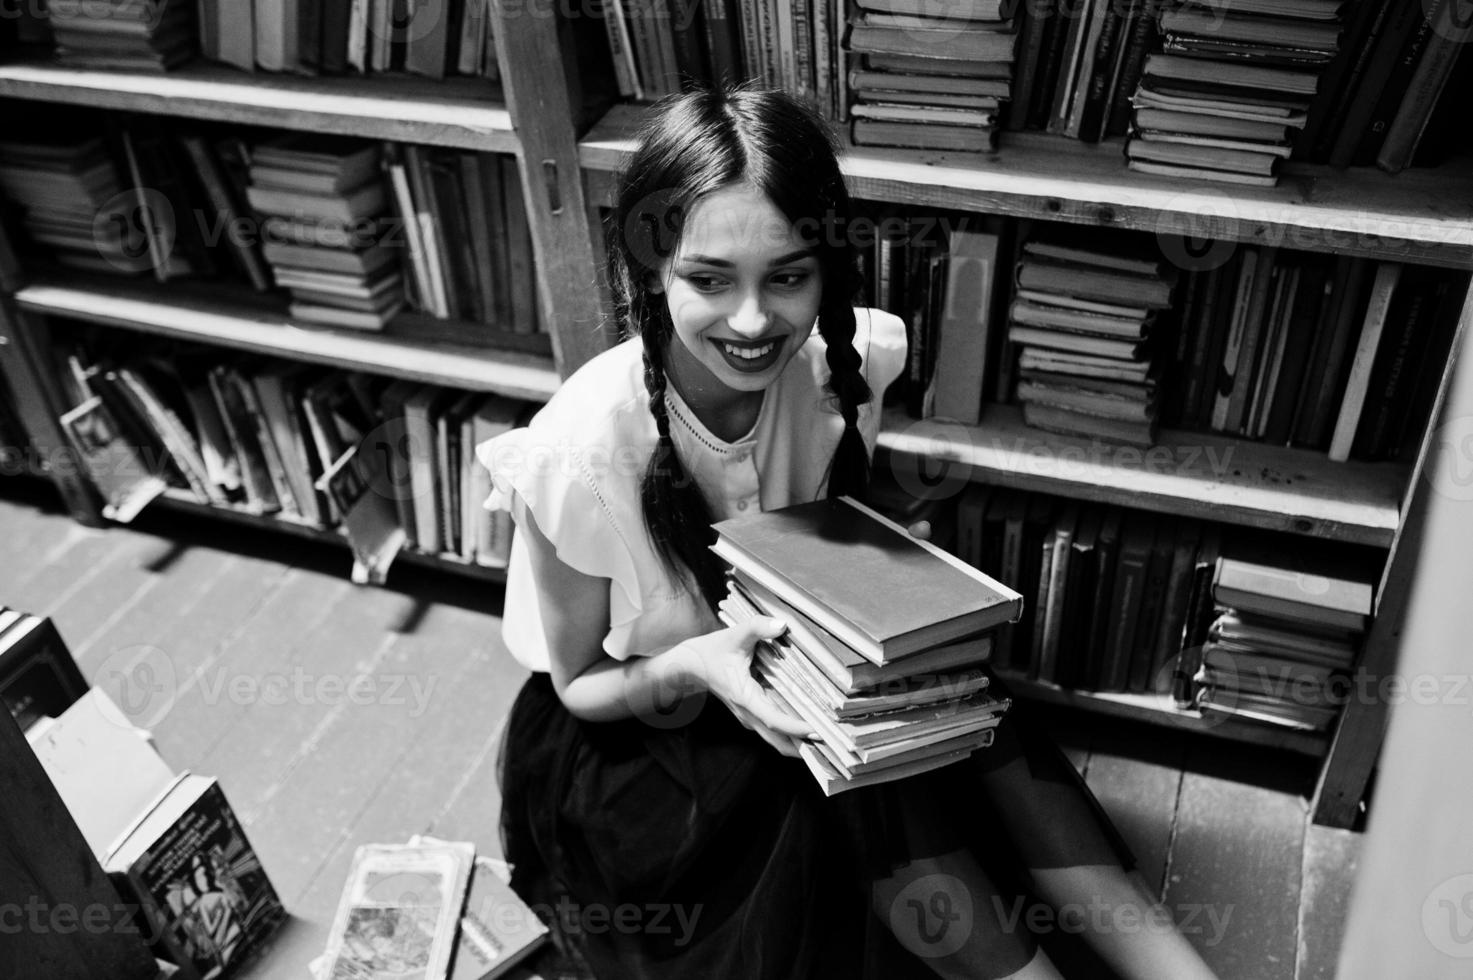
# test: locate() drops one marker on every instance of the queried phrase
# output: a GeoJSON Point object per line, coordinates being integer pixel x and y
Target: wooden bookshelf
{"type": "Point", "coordinates": [262, 327]}
{"type": "Point", "coordinates": [183, 502]}
{"type": "Point", "coordinates": [1159, 709]}
{"type": "Point", "coordinates": [1191, 474]}
{"type": "Point", "coordinates": [1423, 216]}
{"type": "Point", "coordinates": [467, 113]}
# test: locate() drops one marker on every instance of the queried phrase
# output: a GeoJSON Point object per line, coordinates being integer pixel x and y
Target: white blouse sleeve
{"type": "Point", "coordinates": [554, 481]}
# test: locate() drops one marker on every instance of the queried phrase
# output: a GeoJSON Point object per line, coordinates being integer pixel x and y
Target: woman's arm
{"type": "Point", "coordinates": [596, 687]}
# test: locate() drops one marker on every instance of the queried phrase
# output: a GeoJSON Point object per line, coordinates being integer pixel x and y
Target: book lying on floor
{"type": "Point", "coordinates": [400, 912]}
{"type": "Point", "coordinates": [864, 579]}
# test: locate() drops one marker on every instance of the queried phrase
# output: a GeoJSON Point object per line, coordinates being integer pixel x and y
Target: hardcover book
{"type": "Point", "coordinates": [866, 580]}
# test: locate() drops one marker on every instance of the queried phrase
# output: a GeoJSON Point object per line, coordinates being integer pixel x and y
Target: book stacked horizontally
{"type": "Point", "coordinates": [933, 74]}
{"type": "Point", "coordinates": [70, 193]}
{"type": "Point", "coordinates": [886, 640]}
{"type": "Point", "coordinates": [1081, 321]}
{"type": "Point", "coordinates": [1226, 97]}
{"type": "Point", "coordinates": [324, 200]}
{"type": "Point", "coordinates": [131, 34]}
{"type": "Point", "coordinates": [1280, 640]}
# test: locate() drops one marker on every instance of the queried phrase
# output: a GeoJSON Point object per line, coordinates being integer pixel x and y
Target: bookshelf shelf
{"type": "Point", "coordinates": [464, 113]}
{"type": "Point", "coordinates": [262, 329]}
{"type": "Point", "coordinates": [183, 502]}
{"type": "Point", "coordinates": [1190, 474]}
{"type": "Point", "coordinates": [1159, 709]}
{"type": "Point", "coordinates": [1423, 216]}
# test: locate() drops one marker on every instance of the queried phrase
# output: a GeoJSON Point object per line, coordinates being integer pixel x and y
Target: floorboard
{"type": "Point", "coordinates": [194, 621]}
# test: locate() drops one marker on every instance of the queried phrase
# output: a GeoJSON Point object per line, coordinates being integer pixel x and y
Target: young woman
{"type": "Point", "coordinates": [651, 804]}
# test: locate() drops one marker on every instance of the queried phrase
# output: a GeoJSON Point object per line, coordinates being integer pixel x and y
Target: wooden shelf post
{"type": "Point", "coordinates": [538, 96]}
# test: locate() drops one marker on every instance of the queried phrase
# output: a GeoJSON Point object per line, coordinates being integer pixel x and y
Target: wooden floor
{"type": "Point", "coordinates": [236, 648]}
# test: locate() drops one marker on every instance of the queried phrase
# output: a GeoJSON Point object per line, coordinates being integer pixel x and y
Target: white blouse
{"type": "Point", "coordinates": [579, 463]}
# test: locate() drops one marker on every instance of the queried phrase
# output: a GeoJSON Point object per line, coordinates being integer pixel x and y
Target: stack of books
{"type": "Point", "coordinates": [1280, 641]}
{"type": "Point", "coordinates": [70, 193]}
{"type": "Point", "coordinates": [932, 76]}
{"type": "Point", "coordinates": [324, 200]}
{"type": "Point", "coordinates": [886, 640]}
{"type": "Point", "coordinates": [129, 34]}
{"type": "Point", "coordinates": [1228, 94]}
{"type": "Point", "coordinates": [1081, 321]}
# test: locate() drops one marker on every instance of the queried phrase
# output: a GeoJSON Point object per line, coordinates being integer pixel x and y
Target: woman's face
{"type": "Point", "coordinates": [743, 291]}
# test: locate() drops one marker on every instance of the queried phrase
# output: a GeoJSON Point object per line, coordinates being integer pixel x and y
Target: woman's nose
{"type": "Point", "coordinates": [750, 319]}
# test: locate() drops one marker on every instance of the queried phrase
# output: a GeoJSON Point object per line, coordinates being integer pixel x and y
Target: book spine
{"type": "Point", "coordinates": [480, 245]}
{"type": "Point", "coordinates": [1402, 25]}
{"type": "Point", "coordinates": [1185, 322]}
{"type": "Point", "coordinates": [1086, 14]}
{"type": "Point", "coordinates": [1095, 89]}
{"type": "Point", "coordinates": [1314, 400]}
{"type": "Point", "coordinates": [751, 25]}
{"type": "Point", "coordinates": [1415, 110]}
{"type": "Point", "coordinates": [823, 58]}
{"type": "Point", "coordinates": [1055, 41]}
{"type": "Point", "coordinates": [1338, 83]}
{"type": "Point", "coordinates": [1091, 675]}
{"type": "Point", "coordinates": [1032, 19]}
{"type": "Point", "coordinates": [1038, 615]}
{"type": "Point", "coordinates": [1387, 276]}
{"type": "Point", "coordinates": [616, 27]}
{"type": "Point", "coordinates": [227, 216]}
{"type": "Point", "coordinates": [1125, 607]}
{"type": "Point", "coordinates": [1227, 368]}
{"type": "Point", "coordinates": [1408, 329]}
{"type": "Point", "coordinates": [1138, 44]}
{"type": "Point", "coordinates": [965, 330]}
{"type": "Point", "coordinates": [1272, 360]}
{"type": "Point", "coordinates": [523, 276]}
{"type": "Point", "coordinates": [803, 81]}
{"type": "Point", "coordinates": [1311, 297]}
{"type": "Point", "coordinates": [1398, 84]}
{"type": "Point", "coordinates": [686, 30]}
{"type": "Point", "coordinates": [1266, 276]}
{"type": "Point", "coordinates": [722, 46]}
{"type": "Point", "coordinates": [422, 295]}
{"type": "Point", "coordinates": [1148, 626]}
{"type": "Point", "coordinates": [1053, 616]}
{"type": "Point", "coordinates": [1170, 640]}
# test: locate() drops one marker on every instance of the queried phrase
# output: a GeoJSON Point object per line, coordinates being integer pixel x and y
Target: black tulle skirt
{"type": "Point", "coordinates": [698, 851]}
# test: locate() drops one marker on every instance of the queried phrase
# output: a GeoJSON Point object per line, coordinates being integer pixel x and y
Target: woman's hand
{"type": "Point", "coordinates": [721, 662]}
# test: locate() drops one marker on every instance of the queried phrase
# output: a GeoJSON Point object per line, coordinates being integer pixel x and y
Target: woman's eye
{"type": "Point", "coordinates": [791, 280]}
{"type": "Point", "coordinates": [706, 284]}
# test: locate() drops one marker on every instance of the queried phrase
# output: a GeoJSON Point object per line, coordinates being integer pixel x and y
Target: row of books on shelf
{"type": "Point", "coordinates": [278, 439]}
{"type": "Point", "coordinates": [307, 37]}
{"type": "Point", "coordinates": [354, 230]}
{"type": "Point", "coordinates": [1110, 340]}
{"type": "Point", "coordinates": [1201, 90]}
{"type": "Point", "coordinates": [1133, 602]}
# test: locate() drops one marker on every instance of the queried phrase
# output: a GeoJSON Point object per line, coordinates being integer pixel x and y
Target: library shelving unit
{"type": "Point", "coordinates": [1422, 216]}
{"type": "Point", "coordinates": [529, 113]}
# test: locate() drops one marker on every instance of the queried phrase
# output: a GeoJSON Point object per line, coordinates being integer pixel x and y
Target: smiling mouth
{"type": "Point", "coordinates": [750, 356]}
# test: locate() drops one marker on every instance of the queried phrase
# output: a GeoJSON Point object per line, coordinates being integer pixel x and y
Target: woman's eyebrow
{"type": "Point", "coordinates": [802, 253]}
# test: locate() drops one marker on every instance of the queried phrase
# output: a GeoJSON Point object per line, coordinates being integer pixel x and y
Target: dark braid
{"type": "Point", "coordinates": [669, 491]}
{"type": "Point", "coordinates": [849, 470]}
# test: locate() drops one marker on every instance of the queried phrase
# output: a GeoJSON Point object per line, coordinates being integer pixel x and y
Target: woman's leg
{"type": "Point", "coordinates": [944, 908]}
{"type": "Point", "coordinates": [1062, 841]}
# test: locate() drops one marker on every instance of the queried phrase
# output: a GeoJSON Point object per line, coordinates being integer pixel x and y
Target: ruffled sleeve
{"type": "Point", "coordinates": [573, 510]}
